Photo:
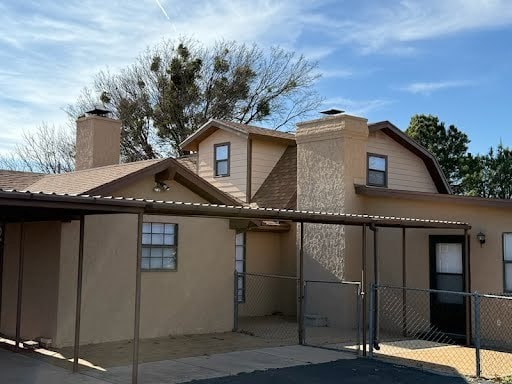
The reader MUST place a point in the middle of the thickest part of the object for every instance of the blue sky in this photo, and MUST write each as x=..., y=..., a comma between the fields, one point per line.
x=384, y=60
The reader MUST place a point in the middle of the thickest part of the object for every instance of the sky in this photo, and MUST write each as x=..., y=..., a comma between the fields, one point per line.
x=383, y=60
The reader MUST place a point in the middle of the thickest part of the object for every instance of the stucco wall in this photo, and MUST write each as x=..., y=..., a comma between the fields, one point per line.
x=406, y=171
x=40, y=287
x=236, y=182
x=197, y=298
x=265, y=155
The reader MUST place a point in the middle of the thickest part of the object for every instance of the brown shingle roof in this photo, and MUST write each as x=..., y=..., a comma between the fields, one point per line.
x=80, y=182
x=17, y=180
x=279, y=190
x=189, y=161
x=191, y=142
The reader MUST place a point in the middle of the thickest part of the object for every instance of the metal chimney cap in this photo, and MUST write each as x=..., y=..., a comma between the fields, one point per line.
x=97, y=111
x=332, y=111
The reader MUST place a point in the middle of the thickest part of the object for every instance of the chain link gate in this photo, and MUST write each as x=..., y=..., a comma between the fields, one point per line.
x=414, y=326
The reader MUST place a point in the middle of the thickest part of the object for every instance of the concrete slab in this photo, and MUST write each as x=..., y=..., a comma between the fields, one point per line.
x=16, y=368
x=236, y=362
x=307, y=355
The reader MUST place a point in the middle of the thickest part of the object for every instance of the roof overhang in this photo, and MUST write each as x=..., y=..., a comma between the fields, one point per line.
x=18, y=206
x=191, y=143
x=365, y=190
x=430, y=161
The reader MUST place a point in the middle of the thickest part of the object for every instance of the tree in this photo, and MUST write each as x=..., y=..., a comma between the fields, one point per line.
x=489, y=175
x=448, y=145
x=47, y=149
x=174, y=88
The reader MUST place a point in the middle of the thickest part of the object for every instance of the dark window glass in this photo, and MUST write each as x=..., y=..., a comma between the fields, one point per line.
x=377, y=170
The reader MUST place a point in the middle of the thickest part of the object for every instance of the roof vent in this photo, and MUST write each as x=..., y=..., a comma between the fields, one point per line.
x=97, y=111
x=332, y=111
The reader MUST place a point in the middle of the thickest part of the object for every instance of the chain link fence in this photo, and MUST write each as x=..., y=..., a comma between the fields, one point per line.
x=332, y=314
x=266, y=307
x=466, y=333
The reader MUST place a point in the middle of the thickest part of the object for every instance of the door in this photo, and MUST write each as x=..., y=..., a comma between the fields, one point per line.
x=447, y=272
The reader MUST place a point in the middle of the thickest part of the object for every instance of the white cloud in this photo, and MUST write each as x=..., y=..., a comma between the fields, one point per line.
x=426, y=88
x=391, y=27
x=50, y=51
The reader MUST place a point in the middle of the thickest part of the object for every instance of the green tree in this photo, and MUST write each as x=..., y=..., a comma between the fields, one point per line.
x=448, y=145
x=489, y=175
x=174, y=88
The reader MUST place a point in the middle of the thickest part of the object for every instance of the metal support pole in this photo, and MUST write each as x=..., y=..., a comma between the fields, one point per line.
x=136, y=326
x=376, y=280
x=305, y=304
x=363, y=287
x=235, y=302
x=477, y=333
x=468, y=289
x=372, y=320
x=301, y=285
x=404, y=284
x=358, y=320
x=20, y=284
x=79, y=277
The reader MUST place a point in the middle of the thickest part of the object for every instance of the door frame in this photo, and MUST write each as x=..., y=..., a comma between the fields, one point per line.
x=461, y=239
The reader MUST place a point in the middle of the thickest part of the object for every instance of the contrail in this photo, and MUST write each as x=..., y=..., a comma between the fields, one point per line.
x=163, y=10
x=165, y=14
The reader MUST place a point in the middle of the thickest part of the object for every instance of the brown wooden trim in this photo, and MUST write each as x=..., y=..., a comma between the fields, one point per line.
x=428, y=196
x=273, y=139
x=248, y=188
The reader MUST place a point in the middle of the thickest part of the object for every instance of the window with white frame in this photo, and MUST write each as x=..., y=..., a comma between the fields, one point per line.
x=221, y=160
x=159, y=246
x=507, y=262
x=377, y=173
x=240, y=264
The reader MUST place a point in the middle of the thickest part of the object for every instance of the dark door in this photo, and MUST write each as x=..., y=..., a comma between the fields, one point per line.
x=447, y=272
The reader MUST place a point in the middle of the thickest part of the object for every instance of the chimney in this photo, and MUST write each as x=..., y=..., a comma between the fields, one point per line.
x=331, y=157
x=98, y=140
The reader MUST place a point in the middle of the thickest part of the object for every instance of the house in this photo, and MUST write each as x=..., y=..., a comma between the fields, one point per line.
x=338, y=163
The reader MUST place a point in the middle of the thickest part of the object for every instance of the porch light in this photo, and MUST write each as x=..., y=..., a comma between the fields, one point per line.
x=481, y=238
x=160, y=186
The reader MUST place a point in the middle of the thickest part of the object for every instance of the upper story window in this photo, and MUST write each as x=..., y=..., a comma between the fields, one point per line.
x=159, y=246
x=377, y=173
x=221, y=159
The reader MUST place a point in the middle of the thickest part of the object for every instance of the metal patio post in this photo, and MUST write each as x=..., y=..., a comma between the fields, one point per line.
x=235, y=302
x=136, y=326
x=404, y=284
x=372, y=320
x=301, y=285
x=21, y=261
x=76, y=349
x=363, y=287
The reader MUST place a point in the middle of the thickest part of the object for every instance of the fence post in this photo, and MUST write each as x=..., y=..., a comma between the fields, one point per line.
x=235, y=302
x=477, y=333
x=372, y=321
x=358, y=320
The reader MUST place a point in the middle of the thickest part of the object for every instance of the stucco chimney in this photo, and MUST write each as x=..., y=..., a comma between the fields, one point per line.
x=98, y=140
x=331, y=157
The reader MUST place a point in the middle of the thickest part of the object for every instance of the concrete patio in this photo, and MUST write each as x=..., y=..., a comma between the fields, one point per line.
x=23, y=369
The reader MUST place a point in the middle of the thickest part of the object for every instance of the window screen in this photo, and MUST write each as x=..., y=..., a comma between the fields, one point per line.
x=507, y=262
x=221, y=159
x=240, y=265
x=377, y=170
x=159, y=246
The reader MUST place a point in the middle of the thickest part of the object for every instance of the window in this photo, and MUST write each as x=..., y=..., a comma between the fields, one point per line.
x=240, y=264
x=159, y=246
x=507, y=262
x=377, y=170
x=221, y=159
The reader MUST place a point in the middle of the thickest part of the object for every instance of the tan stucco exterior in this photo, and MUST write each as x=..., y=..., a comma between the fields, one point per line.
x=97, y=142
x=40, y=288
